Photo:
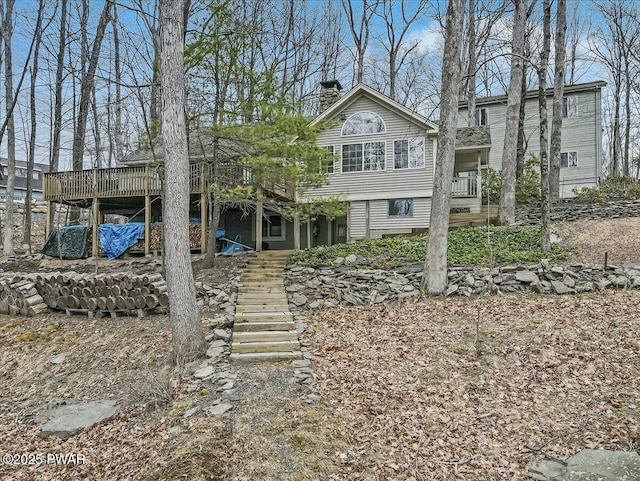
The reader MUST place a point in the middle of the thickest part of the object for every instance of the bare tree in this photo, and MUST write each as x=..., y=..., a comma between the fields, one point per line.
x=188, y=338
x=360, y=31
x=472, y=64
x=7, y=31
x=57, y=122
x=436, y=259
x=544, y=147
x=507, y=208
x=558, y=94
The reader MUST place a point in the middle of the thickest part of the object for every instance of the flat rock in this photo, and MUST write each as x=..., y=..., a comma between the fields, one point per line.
x=204, y=372
x=589, y=465
x=64, y=421
x=561, y=288
x=221, y=334
x=215, y=351
x=298, y=299
x=58, y=359
x=219, y=409
x=527, y=277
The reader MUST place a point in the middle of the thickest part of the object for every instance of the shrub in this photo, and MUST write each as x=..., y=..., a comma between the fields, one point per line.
x=590, y=195
x=528, y=184
x=620, y=187
x=491, y=185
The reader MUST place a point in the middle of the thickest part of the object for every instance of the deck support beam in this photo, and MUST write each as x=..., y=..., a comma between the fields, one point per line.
x=204, y=211
x=296, y=233
x=259, y=213
x=147, y=225
x=48, y=227
x=95, y=237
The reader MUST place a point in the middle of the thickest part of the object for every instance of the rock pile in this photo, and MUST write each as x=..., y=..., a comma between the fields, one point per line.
x=359, y=284
x=569, y=211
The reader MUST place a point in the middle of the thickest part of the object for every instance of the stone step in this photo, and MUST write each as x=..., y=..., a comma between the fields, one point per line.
x=261, y=346
x=261, y=308
x=264, y=326
x=265, y=356
x=265, y=336
x=263, y=316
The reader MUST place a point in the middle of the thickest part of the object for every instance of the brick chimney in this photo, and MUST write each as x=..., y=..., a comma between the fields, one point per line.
x=329, y=94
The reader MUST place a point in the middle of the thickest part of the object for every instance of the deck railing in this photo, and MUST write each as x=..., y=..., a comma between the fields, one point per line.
x=147, y=180
x=464, y=187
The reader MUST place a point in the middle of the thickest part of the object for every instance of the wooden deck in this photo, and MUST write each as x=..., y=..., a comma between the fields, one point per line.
x=147, y=180
x=475, y=219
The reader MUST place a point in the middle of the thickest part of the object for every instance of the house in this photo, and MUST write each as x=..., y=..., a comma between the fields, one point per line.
x=581, y=150
x=20, y=187
x=384, y=165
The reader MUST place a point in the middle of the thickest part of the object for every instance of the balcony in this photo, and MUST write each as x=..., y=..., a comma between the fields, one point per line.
x=464, y=187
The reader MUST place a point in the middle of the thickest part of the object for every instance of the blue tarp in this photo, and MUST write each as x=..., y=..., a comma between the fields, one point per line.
x=117, y=238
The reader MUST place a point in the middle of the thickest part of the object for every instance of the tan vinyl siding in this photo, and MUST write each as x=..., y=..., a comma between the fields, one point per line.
x=580, y=134
x=383, y=184
x=358, y=217
x=380, y=220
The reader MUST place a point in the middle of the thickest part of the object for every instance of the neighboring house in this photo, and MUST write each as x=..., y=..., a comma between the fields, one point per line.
x=20, y=188
x=581, y=151
x=384, y=164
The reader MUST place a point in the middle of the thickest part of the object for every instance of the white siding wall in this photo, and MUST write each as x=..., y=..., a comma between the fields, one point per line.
x=387, y=184
x=580, y=134
x=358, y=218
x=380, y=222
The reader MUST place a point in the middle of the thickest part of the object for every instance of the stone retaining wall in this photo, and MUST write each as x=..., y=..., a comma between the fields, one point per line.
x=568, y=211
x=358, y=284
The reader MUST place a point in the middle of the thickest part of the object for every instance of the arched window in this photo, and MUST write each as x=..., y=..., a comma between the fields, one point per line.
x=363, y=123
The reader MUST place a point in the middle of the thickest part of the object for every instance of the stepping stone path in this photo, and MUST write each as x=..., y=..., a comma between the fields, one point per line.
x=264, y=329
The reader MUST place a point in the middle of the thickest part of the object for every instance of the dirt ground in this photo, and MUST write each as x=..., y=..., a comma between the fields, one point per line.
x=468, y=389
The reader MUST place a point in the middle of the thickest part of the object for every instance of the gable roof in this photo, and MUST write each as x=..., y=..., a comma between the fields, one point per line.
x=362, y=90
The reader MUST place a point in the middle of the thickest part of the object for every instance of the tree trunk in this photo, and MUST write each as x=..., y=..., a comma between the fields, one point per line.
x=188, y=338
x=436, y=259
x=214, y=215
x=507, y=209
x=521, y=148
x=26, y=239
x=57, y=121
x=558, y=94
x=542, y=104
x=7, y=29
x=86, y=87
x=473, y=63
x=119, y=153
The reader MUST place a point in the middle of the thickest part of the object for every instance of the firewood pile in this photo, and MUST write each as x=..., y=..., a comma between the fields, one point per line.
x=155, y=243
x=31, y=294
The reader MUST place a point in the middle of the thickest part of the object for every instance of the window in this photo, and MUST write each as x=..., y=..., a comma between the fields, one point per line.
x=569, y=107
x=363, y=157
x=401, y=207
x=408, y=154
x=569, y=159
x=327, y=163
x=273, y=228
x=482, y=118
x=363, y=123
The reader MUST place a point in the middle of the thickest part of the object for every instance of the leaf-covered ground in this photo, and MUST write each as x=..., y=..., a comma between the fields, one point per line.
x=422, y=399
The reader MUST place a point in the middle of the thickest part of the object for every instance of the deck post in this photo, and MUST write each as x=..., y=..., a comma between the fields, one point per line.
x=49, y=222
x=329, y=231
x=259, y=212
x=309, y=234
x=204, y=209
x=147, y=224
x=95, y=238
x=296, y=233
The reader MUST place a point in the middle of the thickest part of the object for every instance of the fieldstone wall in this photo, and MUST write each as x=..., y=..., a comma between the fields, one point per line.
x=357, y=284
x=568, y=211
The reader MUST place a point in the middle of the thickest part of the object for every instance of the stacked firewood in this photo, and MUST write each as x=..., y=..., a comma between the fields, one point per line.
x=155, y=243
x=20, y=296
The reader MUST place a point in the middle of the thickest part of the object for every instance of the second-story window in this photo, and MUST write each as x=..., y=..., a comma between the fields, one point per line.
x=408, y=154
x=363, y=123
x=365, y=156
x=482, y=117
x=569, y=106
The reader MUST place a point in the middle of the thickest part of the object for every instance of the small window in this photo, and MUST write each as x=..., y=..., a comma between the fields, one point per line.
x=408, y=154
x=363, y=157
x=482, y=118
x=36, y=175
x=327, y=163
x=569, y=106
x=363, y=123
x=401, y=207
x=569, y=159
x=273, y=227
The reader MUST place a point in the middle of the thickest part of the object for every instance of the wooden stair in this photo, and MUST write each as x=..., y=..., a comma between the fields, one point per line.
x=264, y=329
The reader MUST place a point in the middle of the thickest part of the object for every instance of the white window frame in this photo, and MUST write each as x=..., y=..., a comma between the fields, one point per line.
x=481, y=116
x=346, y=122
x=363, y=150
x=283, y=229
x=567, y=156
x=395, y=216
x=569, y=106
x=329, y=168
x=409, y=154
